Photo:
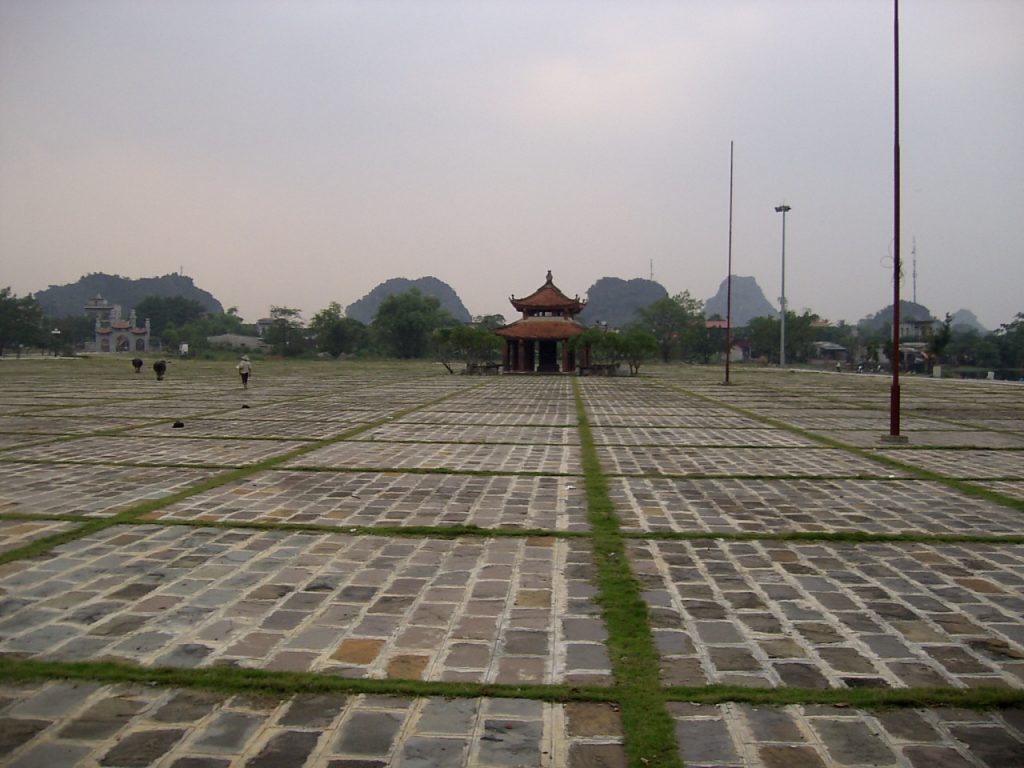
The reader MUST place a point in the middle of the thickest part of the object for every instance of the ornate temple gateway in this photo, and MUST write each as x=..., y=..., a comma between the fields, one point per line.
x=539, y=341
x=114, y=333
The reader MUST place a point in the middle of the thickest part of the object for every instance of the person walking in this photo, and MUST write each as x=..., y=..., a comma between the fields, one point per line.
x=244, y=369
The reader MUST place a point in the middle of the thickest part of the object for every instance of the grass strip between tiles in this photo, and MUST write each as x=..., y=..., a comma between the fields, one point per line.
x=648, y=727
x=230, y=680
x=855, y=698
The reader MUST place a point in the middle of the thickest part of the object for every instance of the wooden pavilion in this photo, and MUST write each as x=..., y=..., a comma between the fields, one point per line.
x=539, y=341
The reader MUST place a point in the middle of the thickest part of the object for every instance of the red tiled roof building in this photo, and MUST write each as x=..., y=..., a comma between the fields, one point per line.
x=539, y=341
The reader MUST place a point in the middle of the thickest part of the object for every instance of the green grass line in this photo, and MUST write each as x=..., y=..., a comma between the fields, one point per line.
x=400, y=441
x=751, y=476
x=706, y=446
x=233, y=680
x=648, y=728
x=912, y=447
x=238, y=680
x=176, y=434
x=461, y=529
x=43, y=545
x=853, y=537
x=119, y=464
x=430, y=471
x=433, y=531
x=858, y=698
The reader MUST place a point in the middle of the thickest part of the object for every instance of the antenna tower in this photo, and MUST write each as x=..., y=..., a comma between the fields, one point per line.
x=652, y=270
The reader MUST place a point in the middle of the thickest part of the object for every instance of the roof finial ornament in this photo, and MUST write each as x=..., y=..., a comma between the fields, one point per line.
x=549, y=276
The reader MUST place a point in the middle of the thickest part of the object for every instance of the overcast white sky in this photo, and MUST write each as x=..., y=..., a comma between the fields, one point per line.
x=297, y=153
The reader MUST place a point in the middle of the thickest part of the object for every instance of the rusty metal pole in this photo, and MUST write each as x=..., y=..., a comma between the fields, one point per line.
x=894, y=390
x=728, y=281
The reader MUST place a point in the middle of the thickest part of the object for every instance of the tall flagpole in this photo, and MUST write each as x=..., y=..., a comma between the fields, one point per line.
x=728, y=281
x=894, y=391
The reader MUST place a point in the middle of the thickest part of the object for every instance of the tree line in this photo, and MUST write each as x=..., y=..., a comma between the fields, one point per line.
x=413, y=325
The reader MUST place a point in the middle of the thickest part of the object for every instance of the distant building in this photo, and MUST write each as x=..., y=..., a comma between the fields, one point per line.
x=237, y=341
x=827, y=350
x=112, y=332
x=917, y=329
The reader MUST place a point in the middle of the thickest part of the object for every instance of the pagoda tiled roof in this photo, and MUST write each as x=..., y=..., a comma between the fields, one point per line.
x=547, y=298
x=541, y=329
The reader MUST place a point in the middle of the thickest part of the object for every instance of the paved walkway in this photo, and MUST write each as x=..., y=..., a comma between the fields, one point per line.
x=304, y=527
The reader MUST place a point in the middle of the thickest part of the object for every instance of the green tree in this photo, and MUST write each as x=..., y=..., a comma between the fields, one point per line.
x=285, y=332
x=197, y=332
x=406, y=321
x=968, y=347
x=334, y=333
x=490, y=322
x=164, y=311
x=21, y=322
x=675, y=323
x=706, y=343
x=693, y=336
x=938, y=341
x=763, y=333
x=72, y=331
x=473, y=344
x=1010, y=338
x=800, y=331
x=637, y=345
x=605, y=347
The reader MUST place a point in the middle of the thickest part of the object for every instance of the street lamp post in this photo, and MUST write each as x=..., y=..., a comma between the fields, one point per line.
x=783, y=209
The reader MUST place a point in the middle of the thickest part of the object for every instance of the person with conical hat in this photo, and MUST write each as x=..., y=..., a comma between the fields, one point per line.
x=244, y=369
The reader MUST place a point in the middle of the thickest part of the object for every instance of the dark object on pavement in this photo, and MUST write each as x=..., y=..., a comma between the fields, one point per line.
x=178, y=425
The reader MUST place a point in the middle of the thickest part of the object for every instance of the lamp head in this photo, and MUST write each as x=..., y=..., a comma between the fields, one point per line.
x=781, y=208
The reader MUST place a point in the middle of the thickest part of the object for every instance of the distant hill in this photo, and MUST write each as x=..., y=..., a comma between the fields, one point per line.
x=908, y=311
x=64, y=300
x=965, y=320
x=615, y=301
x=365, y=308
x=748, y=301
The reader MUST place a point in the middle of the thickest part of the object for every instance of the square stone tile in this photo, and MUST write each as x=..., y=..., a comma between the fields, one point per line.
x=280, y=587
x=941, y=614
x=391, y=499
x=547, y=459
x=88, y=490
x=779, y=506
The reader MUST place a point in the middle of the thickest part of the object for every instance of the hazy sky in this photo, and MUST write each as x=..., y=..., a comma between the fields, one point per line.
x=297, y=153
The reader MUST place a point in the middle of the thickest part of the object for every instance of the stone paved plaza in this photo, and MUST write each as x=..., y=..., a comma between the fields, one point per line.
x=356, y=529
